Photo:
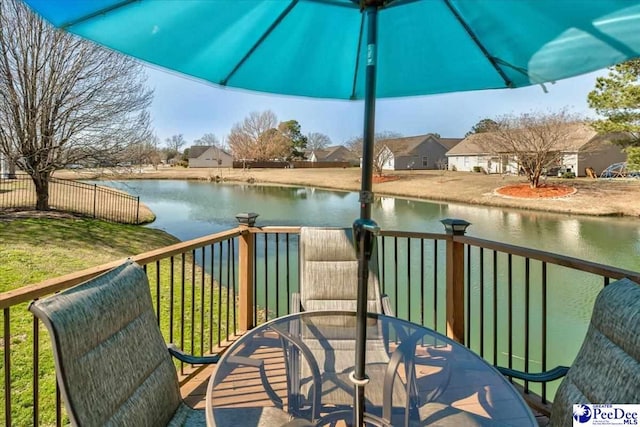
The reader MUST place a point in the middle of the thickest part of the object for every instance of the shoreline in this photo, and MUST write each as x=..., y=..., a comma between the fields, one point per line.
x=593, y=197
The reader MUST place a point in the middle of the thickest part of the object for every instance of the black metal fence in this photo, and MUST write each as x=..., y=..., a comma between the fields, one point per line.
x=513, y=310
x=19, y=193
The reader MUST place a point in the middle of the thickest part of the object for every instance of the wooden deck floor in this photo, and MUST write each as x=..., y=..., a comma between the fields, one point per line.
x=243, y=387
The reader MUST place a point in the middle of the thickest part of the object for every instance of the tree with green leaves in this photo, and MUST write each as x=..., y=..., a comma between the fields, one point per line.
x=290, y=130
x=633, y=159
x=616, y=97
x=484, y=125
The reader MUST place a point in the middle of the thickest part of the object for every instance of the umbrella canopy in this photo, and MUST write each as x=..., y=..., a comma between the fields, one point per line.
x=317, y=48
x=361, y=49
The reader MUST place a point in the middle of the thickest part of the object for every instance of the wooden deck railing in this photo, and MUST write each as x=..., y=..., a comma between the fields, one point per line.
x=492, y=297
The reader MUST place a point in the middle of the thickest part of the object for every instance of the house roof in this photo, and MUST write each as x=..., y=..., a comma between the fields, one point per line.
x=196, y=151
x=405, y=146
x=449, y=143
x=580, y=134
x=334, y=153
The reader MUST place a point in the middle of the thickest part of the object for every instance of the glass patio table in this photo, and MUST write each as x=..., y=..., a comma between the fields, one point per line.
x=295, y=371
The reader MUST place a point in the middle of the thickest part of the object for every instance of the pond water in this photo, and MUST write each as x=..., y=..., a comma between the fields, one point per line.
x=189, y=209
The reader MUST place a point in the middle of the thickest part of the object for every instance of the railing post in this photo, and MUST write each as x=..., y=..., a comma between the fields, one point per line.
x=455, y=279
x=246, y=250
x=95, y=197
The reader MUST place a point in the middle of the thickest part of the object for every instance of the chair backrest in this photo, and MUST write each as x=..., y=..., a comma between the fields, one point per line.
x=329, y=271
x=607, y=367
x=112, y=363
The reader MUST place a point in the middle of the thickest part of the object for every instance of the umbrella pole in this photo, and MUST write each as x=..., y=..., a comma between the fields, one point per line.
x=364, y=228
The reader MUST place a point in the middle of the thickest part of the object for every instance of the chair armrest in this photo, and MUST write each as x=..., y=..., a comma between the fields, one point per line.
x=386, y=306
x=296, y=306
x=187, y=358
x=538, y=377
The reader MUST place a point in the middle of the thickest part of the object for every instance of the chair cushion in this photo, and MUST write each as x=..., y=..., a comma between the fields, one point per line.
x=188, y=417
x=329, y=271
x=607, y=367
x=111, y=359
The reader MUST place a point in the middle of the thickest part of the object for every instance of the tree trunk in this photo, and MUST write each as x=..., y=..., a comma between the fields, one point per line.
x=41, y=182
x=534, y=180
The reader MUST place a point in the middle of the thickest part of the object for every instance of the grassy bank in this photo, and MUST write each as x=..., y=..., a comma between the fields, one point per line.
x=36, y=249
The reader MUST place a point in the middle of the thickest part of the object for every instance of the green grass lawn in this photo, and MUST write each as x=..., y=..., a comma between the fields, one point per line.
x=32, y=250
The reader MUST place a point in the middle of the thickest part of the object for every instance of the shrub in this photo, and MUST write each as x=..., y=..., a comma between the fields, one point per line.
x=568, y=175
x=633, y=158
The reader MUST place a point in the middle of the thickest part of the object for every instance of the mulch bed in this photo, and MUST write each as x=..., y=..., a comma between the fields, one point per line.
x=542, y=192
x=384, y=178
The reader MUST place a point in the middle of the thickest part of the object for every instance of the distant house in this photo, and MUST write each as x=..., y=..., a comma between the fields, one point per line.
x=7, y=170
x=584, y=149
x=337, y=153
x=416, y=152
x=209, y=156
x=4, y=167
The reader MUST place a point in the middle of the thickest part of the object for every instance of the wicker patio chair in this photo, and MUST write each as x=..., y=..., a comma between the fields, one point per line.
x=111, y=361
x=329, y=273
x=329, y=281
x=607, y=367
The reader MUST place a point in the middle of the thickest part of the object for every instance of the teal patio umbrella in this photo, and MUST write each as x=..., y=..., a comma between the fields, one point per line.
x=361, y=49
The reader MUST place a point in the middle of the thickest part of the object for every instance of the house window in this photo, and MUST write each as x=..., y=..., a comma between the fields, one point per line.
x=425, y=161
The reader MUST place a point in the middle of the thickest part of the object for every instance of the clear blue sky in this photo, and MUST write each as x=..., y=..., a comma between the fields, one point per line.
x=193, y=108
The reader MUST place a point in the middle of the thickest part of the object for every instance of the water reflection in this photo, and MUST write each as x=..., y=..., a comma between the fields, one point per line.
x=189, y=209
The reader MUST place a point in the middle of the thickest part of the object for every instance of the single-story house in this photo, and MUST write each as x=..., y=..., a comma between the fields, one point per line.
x=585, y=148
x=416, y=152
x=336, y=153
x=4, y=166
x=7, y=170
x=209, y=156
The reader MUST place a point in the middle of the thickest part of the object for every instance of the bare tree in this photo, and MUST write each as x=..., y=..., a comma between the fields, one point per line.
x=145, y=152
x=317, y=141
x=534, y=141
x=257, y=137
x=64, y=100
x=381, y=153
x=208, y=139
x=175, y=142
